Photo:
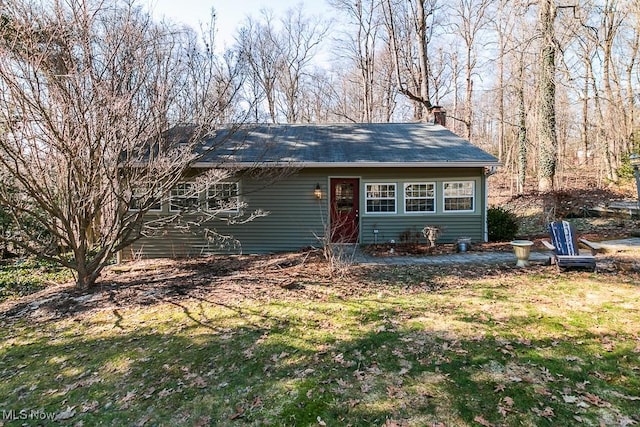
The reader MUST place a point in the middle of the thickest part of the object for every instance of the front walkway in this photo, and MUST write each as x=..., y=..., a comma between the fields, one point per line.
x=460, y=258
x=536, y=257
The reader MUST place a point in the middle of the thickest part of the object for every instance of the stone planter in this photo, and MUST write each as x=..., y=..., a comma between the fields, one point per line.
x=522, y=249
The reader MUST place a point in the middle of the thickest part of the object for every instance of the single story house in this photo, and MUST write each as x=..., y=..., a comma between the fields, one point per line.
x=362, y=183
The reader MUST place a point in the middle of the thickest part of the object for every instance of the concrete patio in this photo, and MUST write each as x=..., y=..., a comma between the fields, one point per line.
x=536, y=257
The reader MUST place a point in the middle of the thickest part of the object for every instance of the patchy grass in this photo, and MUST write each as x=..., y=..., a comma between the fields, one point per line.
x=23, y=277
x=388, y=346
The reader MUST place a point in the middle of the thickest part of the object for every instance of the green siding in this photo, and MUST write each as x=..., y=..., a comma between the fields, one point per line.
x=296, y=217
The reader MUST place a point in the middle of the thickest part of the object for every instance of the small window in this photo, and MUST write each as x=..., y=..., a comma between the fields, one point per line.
x=420, y=197
x=380, y=198
x=458, y=196
x=223, y=196
x=183, y=196
x=142, y=195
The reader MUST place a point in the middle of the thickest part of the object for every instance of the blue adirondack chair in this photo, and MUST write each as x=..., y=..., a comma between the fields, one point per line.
x=564, y=245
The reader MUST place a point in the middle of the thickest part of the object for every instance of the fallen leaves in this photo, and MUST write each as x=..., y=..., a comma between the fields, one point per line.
x=199, y=382
x=499, y=388
x=595, y=400
x=165, y=392
x=126, y=400
x=480, y=420
x=505, y=406
x=239, y=412
x=277, y=357
x=546, y=412
x=202, y=421
x=406, y=356
x=395, y=392
x=67, y=414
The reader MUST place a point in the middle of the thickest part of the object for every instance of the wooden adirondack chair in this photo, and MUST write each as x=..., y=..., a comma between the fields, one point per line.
x=564, y=245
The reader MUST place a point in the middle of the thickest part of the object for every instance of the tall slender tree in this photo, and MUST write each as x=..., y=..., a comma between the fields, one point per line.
x=362, y=46
x=258, y=46
x=471, y=19
x=547, y=137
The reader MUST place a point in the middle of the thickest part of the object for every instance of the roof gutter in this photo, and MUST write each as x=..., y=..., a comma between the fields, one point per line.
x=445, y=164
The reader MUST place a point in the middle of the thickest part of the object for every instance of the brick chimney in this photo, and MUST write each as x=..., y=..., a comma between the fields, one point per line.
x=439, y=115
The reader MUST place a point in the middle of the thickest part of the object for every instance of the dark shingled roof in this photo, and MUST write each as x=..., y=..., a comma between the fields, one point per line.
x=330, y=145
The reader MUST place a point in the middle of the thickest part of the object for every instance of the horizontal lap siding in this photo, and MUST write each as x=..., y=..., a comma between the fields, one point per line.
x=296, y=217
x=391, y=228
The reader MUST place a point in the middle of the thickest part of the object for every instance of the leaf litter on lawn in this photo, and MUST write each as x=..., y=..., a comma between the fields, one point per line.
x=413, y=345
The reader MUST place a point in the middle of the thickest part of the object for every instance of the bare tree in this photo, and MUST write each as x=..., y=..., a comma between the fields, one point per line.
x=515, y=71
x=586, y=42
x=279, y=57
x=258, y=44
x=88, y=91
x=604, y=42
x=502, y=27
x=471, y=18
x=631, y=72
x=298, y=41
x=362, y=47
x=610, y=25
x=409, y=34
x=521, y=125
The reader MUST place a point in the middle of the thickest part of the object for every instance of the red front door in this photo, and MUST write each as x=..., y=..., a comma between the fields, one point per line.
x=345, y=210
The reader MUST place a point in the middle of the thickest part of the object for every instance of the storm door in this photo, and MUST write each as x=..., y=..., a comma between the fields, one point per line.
x=345, y=210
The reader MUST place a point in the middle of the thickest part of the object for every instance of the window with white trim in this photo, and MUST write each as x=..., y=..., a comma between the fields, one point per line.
x=142, y=196
x=419, y=197
x=458, y=196
x=380, y=198
x=223, y=196
x=183, y=196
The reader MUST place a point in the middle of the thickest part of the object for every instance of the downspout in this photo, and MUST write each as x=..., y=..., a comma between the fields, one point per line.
x=485, y=177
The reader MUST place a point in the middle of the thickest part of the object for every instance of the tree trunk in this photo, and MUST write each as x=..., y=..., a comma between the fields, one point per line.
x=424, y=63
x=613, y=99
x=456, y=96
x=585, y=116
x=522, y=130
x=418, y=90
x=501, y=105
x=501, y=91
x=547, y=138
x=601, y=138
x=630, y=107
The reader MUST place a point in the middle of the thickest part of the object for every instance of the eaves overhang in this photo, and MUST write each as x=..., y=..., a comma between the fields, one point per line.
x=297, y=164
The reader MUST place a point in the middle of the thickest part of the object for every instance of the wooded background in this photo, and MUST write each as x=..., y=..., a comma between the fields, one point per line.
x=549, y=87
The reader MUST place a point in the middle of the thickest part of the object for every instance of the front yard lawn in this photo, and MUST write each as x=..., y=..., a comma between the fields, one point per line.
x=275, y=341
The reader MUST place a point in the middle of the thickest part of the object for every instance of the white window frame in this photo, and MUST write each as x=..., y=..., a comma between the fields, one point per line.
x=393, y=185
x=142, y=189
x=236, y=197
x=173, y=195
x=459, y=193
x=407, y=198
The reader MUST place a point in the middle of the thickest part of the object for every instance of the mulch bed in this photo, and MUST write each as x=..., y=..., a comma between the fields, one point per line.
x=423, y=249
